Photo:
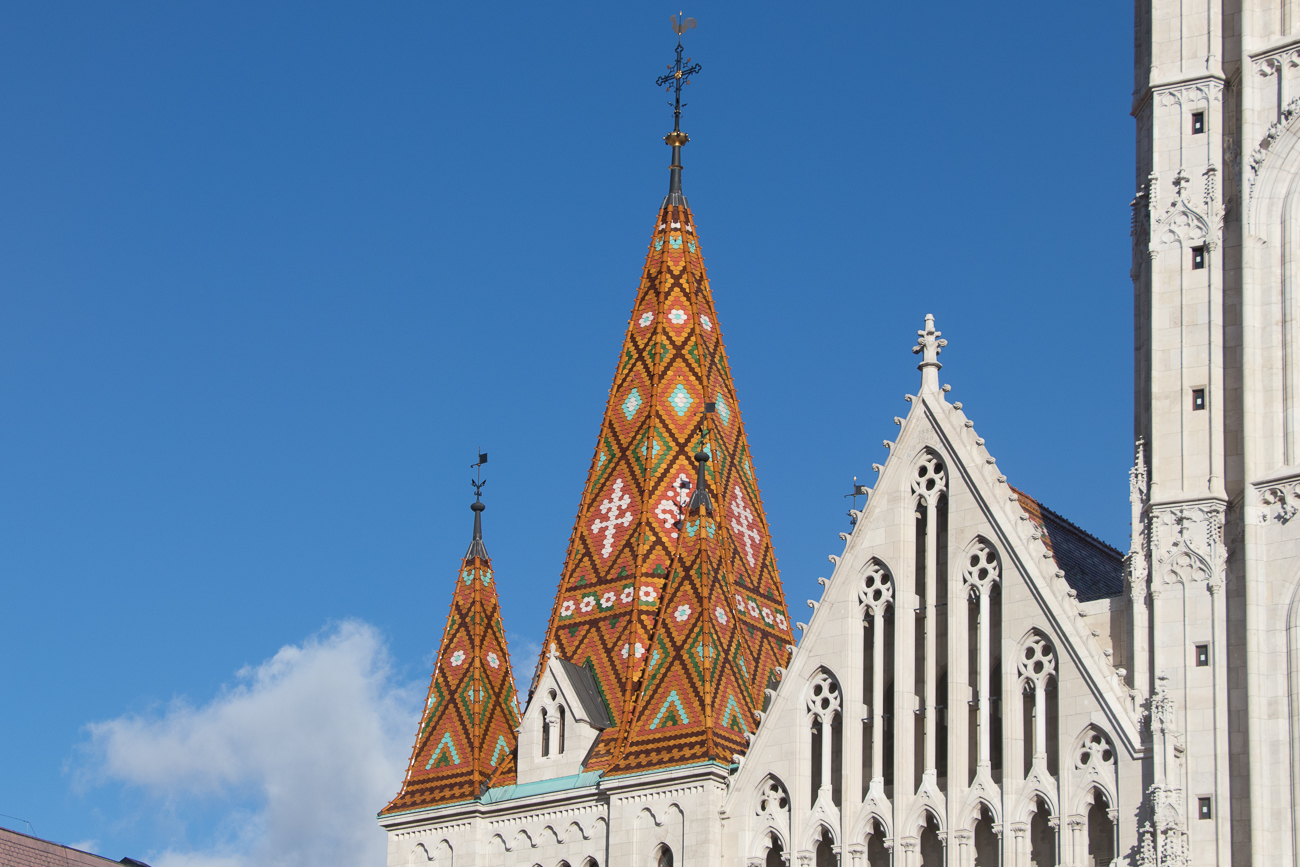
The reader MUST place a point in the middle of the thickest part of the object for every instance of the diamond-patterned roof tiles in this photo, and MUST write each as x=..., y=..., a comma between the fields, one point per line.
x=467, y=732
x=681, y=616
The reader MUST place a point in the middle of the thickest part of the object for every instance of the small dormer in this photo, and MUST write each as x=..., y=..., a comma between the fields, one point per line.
x=564, y=718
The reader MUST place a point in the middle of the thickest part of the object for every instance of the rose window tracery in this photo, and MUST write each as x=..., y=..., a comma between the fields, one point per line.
x=982, y=569
x=929, y=479
x=876, y=590
x=1095, y=752
x=772, y=799
x=824, y=697
x=1037, y=661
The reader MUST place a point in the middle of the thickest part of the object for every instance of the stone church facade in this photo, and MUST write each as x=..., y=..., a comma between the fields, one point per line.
x=981, y=682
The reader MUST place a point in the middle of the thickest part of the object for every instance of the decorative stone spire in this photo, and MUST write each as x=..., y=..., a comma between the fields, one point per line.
x=670, y=589
x=467, y=733
x=929, y=343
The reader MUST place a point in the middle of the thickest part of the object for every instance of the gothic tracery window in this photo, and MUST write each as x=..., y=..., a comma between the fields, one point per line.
x=876, y=596
x=982, y=578
x=1037, y=667
x=929, y=487
x=823, y=704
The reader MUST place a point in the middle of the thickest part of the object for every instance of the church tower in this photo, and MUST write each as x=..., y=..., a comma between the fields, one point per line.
x=1213, y=560
x=670, y=594
x=466, y=740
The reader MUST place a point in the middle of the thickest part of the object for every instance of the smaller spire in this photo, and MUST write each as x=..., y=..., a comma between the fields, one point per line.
x=700, y=496
x=678, y=76
x=476, y=546
x=929, y=343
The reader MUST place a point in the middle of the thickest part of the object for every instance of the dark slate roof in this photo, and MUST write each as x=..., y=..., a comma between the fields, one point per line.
x=20, y=850
x=1094, y=569
x=593, y=706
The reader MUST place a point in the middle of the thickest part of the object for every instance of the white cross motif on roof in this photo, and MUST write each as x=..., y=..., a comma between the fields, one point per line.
x=742, y=520
x=669, y=509
x=613, y=509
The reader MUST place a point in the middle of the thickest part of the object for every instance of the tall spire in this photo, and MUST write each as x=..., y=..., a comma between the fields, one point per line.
x=679, y=75
x=670, y=590
x=467, y=733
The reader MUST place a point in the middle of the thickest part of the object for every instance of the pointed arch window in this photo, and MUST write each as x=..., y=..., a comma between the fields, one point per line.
x=876, y=597
x=982, y=577
x=930, y=496
x=825, y=724
x=1037, y=666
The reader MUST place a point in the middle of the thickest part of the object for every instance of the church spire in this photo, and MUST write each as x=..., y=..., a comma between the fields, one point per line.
x=670, y=592
x=678, y=76
x=467, y=732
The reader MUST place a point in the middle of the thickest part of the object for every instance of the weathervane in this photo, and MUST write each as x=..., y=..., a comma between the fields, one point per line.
x=478, y=481
x=858, y=491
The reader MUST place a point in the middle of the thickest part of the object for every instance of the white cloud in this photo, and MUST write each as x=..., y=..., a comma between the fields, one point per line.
x=318, y=734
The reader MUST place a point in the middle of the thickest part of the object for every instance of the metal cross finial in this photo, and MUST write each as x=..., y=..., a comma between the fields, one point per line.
x=929, y=343
x=679, y=73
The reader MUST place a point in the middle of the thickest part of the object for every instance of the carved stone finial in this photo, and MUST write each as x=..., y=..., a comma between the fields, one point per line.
x=1180, y=182
x=929, y=343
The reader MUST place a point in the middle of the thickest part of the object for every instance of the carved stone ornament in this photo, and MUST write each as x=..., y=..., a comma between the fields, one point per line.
x=1260, y=154
x=1180, y=223
x=1189, y=543
x=1139, y=548
x=1279, y=502
x=1200, y=93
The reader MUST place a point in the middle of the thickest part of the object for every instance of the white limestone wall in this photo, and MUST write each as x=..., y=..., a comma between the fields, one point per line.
x=1092, y=699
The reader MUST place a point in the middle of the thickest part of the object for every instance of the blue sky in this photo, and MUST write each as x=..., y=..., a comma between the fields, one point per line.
x=270, y=274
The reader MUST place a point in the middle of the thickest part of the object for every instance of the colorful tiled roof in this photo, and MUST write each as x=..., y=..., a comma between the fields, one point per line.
x=1092, y=568
x=681, y=617
x=467, y=736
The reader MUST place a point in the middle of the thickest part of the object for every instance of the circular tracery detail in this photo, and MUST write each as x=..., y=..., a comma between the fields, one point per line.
x=772, y=799
x=929, y=479
x=877, y=589
x=824, y=697
x=1037, y=661
x=1095, y=752
x=982, y=569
